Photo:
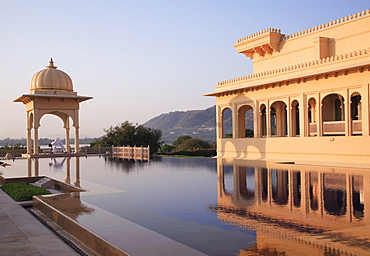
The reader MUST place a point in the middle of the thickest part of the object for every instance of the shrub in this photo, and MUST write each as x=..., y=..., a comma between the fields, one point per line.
x=21, y=191
x=200, y=152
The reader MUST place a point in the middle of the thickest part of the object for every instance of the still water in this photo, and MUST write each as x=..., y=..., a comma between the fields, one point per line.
x=223, y=207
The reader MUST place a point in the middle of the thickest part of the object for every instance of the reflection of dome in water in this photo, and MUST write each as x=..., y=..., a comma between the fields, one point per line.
x=51, y=78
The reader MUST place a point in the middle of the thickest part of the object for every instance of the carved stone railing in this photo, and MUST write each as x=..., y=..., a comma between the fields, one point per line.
x=335, y=128
x=267, y=30
x=327, y=25
x=136, y=153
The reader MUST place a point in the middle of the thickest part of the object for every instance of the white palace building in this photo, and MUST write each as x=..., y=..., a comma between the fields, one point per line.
x=308, y=96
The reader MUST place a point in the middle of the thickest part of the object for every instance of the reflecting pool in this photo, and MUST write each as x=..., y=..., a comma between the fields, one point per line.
x=216, y=206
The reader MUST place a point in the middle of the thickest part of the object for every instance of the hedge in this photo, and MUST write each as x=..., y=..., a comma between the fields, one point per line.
x=21, y=191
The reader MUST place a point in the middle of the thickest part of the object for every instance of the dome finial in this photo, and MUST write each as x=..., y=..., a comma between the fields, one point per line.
x=51, y=64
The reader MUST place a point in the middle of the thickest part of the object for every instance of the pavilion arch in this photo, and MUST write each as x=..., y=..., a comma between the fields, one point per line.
x=356, y=113
x=227, y=126
x=278, y=117
x=312, y=116
x=295, y=118
x=333, y=107
x=243, y=111
x=333, y=115
x=263, y=120
x=356, y=106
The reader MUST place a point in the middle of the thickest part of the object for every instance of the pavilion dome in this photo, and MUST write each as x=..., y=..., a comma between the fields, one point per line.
x=51, y=78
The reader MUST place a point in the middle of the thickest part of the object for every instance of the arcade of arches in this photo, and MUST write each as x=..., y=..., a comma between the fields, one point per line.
x=331, y=119
x=307, y=101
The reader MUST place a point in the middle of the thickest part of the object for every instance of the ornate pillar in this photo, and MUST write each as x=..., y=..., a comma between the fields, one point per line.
x=320, y=124
x=77, y=131
x=303, y=116
x=349, y=198
x=36, y=140
x=66, y=127
x=320, y=200
x=77, y=168
x=256, y=120
x=268, y=119
x=365, y=115
x=68, y=171
x=234, y=119
x=77, y=139
x=290, y=119
x=29, y=144
x=347, y=114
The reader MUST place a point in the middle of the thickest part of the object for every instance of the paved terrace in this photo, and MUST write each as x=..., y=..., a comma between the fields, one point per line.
x=23, y=234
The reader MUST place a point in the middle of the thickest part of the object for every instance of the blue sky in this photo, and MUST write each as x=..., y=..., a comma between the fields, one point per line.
x=138, y=59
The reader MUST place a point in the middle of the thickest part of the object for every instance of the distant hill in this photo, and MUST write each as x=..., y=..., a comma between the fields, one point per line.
x=195, y=123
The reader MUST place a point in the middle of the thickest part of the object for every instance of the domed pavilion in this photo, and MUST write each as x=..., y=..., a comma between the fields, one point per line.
x=51, y=92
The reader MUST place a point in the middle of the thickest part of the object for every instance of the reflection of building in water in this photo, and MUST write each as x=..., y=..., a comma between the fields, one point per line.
x=309, y=88
x=33, y=168
x=298, y=209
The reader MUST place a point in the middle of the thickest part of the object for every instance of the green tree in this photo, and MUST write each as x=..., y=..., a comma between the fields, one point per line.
x=193, y=144
x=180, y=140
x=167, y=148
x=129, y=134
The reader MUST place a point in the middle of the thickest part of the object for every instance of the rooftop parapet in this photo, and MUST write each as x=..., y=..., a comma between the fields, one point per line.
x=262, y=43
x=301, y=66
x=328, y=24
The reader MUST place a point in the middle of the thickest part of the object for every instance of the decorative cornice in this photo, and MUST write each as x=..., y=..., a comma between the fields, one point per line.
x=265, y=31
x=300, y=66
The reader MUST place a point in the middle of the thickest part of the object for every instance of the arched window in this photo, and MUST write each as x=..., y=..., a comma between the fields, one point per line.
x=356, y=107
x=333, y=115
x=227, y=129
x=279, y=119
x=312, y=125
x=263, y=120
x=295, y=118
x=245, y=122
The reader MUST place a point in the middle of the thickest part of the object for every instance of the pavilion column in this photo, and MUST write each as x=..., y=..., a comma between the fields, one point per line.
x=303, y=116
x=68, y=171
x=256, y=120
x=366, y=184
x=67, y=141
x=347, y=114
x=220, y=178
x=349, y=198
x=268, y=119
x=235, y=121
x=289, y=119
x=219, y=123
x=305, y=192
x=365, y=115
x=77, y=131
x=29, y=144
x=36, y=140
x=320, y=124
x=77, y=139
x=258, y=185
x=77, y=168
x=66, y=127
x=236, y=188
x=320, y=184
x=269, y=186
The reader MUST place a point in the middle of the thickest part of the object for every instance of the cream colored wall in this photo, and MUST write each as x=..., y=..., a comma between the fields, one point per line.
x=341, y=38
x=295, y=72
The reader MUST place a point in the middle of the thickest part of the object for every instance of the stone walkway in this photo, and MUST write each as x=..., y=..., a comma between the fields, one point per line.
x=22, y=234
